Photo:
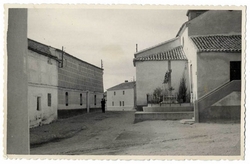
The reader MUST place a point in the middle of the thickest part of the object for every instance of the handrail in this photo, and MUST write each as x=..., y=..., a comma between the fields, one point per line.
x=216, y=89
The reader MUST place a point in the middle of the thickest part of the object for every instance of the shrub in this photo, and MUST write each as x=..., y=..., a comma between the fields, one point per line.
x=182, y=92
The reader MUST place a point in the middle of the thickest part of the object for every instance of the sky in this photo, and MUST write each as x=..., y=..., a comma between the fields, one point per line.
x=110, y=35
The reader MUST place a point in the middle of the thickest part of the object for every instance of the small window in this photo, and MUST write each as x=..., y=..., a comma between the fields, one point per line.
x=114, y=93
x=95, y=99
x=38, y=103
x=123, y=103
x=80, y=99
x=66, y=99
x=112, y=103
x=120, y=103
x=123, y=92
x=49, y=99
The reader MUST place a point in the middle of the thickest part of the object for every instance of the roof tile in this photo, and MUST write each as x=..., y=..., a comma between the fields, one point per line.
x=217, y=43
x=174, y=54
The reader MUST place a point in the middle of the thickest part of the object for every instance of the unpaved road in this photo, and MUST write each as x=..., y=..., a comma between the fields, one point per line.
x=114, y=133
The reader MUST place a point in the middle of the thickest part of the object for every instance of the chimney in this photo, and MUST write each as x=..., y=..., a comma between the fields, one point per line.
x=126, y=81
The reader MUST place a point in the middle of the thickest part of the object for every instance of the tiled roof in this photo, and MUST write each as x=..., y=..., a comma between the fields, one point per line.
x=33, y=45
x=173, y=54
x=217, y=43
x=126, y=85
x=160, y=44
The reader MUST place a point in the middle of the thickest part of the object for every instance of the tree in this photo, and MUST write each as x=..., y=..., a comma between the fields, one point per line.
x=182, y=93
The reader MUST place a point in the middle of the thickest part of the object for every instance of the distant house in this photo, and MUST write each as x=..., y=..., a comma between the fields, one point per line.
x=121, y=97
x=60, y=85
x=151, y=67
x=42, y=84
x=211, y=41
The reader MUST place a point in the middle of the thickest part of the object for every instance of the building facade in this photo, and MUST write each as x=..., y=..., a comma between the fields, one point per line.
x=42, y=84
x=80, y=85
x=121, y=97
x=212, y=43
x=151, y=67
x=60, y=85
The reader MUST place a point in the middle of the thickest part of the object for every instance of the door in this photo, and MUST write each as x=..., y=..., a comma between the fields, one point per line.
x=235, y=70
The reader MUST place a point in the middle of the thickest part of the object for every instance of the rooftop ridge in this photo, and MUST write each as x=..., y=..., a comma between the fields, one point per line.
x=157, y=45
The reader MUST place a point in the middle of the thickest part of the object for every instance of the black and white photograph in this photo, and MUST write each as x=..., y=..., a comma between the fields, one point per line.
x=134, y=81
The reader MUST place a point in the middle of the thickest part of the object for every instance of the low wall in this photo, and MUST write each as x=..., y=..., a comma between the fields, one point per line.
x=220, y=104
x=143, y=116
x=168, y=109
x=230, y=113
x=123, y=108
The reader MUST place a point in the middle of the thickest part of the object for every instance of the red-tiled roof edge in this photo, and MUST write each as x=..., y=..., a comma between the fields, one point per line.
x=155, y=46
x=230, y=34
x=173, y=49
x=199, y=49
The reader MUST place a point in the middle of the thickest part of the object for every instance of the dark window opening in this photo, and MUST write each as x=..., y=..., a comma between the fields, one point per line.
x=38, y=103
x=120, y=103
x=66, y=99
x=235, y=70
x=80, y=99
x=114, y=93
x=95, y=99
x=49, y=99
x=123, y=103
x=112, y=103
x=123, y=92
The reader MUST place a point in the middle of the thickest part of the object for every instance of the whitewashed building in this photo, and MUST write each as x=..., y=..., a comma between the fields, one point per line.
x=42, y=84
x=153, y=63
x=121, y=97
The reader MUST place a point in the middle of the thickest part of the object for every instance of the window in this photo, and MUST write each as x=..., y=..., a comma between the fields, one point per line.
x=123, y=92
x=120, y=103
x=235, y=70
x=112, y=103
x=80, y=99
x=95, y=99
x=123, y=103
x=38, y=103
x=49, y=99
x=114, y=93
x=66, y=99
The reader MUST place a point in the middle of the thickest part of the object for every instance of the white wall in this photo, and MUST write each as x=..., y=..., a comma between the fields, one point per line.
x=47, y=114
x=191, y=53
x=74, y=99
x=128, y=99
x=150, y=75
x=42, y=79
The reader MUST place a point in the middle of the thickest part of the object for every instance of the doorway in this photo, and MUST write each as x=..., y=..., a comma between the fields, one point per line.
x=235, y=70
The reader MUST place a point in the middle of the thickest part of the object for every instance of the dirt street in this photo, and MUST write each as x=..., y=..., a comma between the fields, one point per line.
x=114, y=133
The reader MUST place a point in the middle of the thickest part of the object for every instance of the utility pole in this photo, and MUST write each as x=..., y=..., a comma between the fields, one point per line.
x=62, y=57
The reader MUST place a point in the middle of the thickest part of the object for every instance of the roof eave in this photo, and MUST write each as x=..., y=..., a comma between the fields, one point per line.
x=168, y=41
